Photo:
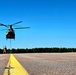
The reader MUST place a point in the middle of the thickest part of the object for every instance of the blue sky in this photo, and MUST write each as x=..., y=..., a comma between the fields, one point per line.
x=52, y=23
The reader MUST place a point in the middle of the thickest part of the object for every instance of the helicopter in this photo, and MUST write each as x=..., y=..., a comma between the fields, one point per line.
x=10, y=34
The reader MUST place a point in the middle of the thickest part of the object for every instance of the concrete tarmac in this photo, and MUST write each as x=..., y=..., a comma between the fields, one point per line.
x=3, y=62
x=48, y=63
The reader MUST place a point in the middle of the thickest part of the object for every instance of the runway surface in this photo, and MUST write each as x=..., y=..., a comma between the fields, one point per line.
x=3, y=62
x=44, y=63
x=14, y=67
x=48, y=63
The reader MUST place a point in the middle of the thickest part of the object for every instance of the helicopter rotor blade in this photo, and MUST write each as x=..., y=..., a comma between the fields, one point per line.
x=22, y=28
x=16, y=23
x=3, y=25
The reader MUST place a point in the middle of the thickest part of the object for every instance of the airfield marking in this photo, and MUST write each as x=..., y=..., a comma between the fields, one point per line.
x=14, y=67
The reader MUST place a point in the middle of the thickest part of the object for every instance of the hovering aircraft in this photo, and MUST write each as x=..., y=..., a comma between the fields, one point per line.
x=10, y=34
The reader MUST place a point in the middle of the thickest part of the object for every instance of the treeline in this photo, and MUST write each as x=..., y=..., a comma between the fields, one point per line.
x=39, y=50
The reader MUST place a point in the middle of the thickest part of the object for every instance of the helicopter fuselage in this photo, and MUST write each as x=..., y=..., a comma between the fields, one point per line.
x=10, y=34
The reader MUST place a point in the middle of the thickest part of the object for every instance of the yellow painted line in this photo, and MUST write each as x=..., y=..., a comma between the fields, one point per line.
x=16, y=67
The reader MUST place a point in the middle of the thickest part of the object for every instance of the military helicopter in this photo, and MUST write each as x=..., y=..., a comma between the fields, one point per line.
x=10, y=34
